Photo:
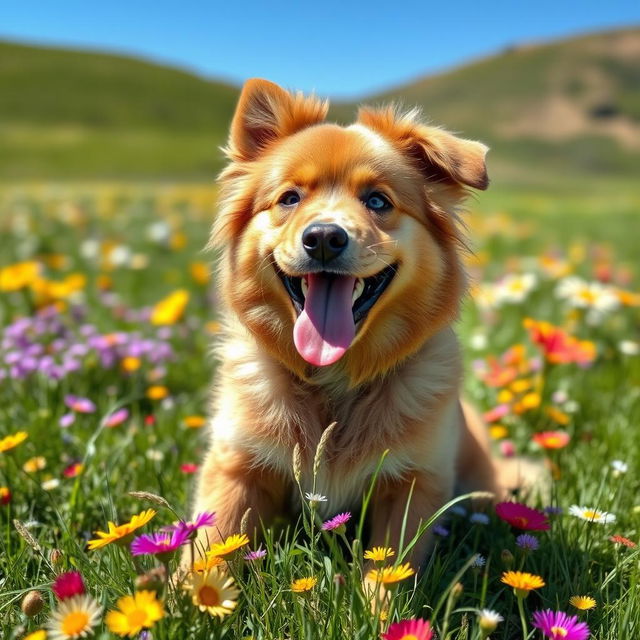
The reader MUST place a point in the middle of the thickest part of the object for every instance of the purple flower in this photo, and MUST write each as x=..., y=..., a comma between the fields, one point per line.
x=527, y=542
x=258, y=554
x=116, y=418
x=553, y=510
x=336, y=522
x=201, y=520
x=557, y=625
x=439, y=530
x=81, y=405
x=479, y=518
x=162, y=544
x=67, y=420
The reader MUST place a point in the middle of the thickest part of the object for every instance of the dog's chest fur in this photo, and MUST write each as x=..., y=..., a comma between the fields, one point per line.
x=261, y=409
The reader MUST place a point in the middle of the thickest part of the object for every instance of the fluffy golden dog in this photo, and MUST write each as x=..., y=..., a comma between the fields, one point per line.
x=341, y=277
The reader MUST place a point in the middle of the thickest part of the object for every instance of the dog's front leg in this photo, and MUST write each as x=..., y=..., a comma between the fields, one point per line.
x=228, y=485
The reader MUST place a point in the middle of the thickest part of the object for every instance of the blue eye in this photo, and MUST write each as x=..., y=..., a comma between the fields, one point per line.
x=377, y=202
x=289, y=198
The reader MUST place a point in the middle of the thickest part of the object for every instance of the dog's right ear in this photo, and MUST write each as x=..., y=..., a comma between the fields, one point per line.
x=266, y=113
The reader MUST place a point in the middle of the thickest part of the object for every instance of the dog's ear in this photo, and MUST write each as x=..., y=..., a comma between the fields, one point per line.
x=266, y=113
x=439, y=154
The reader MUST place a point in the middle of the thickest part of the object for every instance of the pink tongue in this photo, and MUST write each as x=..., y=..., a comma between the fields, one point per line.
x=325, y=328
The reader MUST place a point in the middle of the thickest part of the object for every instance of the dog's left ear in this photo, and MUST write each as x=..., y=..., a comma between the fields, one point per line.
x=266, y=113
x=439, y=154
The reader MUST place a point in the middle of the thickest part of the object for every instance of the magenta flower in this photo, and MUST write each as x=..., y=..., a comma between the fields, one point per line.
x=336, y=522
x=68, y=584
x=80, y=405
x=557, y=625
x=522, y=517
x=163, y=544
x=116, y=418
x=258, y=554
x=201, y=520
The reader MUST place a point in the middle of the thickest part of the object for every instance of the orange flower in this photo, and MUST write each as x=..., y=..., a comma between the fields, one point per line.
x=522, y=582
x=552, y=439
x=559, y=347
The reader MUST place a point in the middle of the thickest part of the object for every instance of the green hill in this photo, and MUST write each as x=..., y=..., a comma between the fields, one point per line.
x=569, y=108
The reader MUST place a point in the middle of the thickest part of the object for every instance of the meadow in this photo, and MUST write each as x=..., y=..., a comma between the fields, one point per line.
x=107, y=314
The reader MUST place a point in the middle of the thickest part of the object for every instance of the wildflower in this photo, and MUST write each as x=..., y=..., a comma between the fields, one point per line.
x=557, y=625
x=204, y=564
x=551, y=439
x=231, y=544
x=194, y=422
x=629, y=347
x=515, y=288
x=416, y=629
x=507, y=448
x=558, y=346
x=74, y=618
x=80, y=405
x=558, y=416
x=5, y=495
x=188, y=467
x=37, y=463
x=507, y=558
x=155, y=454
x=587, y=295
x=498, y=431
x=439, y=530
x=157, y=392
x=212, y=591
x=134, y=613
x=619, y=467
x=19, y=275
x=32, y=604
x=171, y=309
x=496, y=413
x=390, y=575
x=592, y=515
x=123, y=533
x=553, y=510
x=163, y=545
x=67, y=420
x=12, y=441
x=478, y=561
x=379, y=554
x=622, y=540
x=73, y=470
x=304, y=584
x=522, y=517
x=204, y=519
x=200, y=272
x=522, y=582
x=130, y=364
x=116, y=418
x=258, y=554
x=49, y=485
x=479, y=518
x=315, y=498
x=40, y=634
x=488, y=620
x=337, y=523
x=527, y=542
x=68, y=585
x=584, y=603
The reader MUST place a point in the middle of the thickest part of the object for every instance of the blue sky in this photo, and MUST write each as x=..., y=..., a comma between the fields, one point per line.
x=337, y=48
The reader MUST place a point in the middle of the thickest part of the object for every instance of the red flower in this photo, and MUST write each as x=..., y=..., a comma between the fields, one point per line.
x=552, y=439
x=73, y=470
x=522, y=517
x=622, y=540
x=188, y=467
x=559, y=347
x=149, y=420
x=68, y=584
x=5, y=495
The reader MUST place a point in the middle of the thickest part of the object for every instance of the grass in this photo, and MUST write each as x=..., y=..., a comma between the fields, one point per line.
x=137, y=243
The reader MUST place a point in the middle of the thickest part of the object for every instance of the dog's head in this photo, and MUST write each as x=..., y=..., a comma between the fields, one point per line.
x=340, y=244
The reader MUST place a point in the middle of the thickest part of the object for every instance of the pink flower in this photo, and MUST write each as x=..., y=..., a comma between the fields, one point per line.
x=162, y=544
x=116, y=418
x=81, y=405
x=496, y=413
x=68, y=584
x=188, y=467
x=258, y=554
x=507, y=448
x=67, y=420
x=336, y=522
x=201, y=520
x=557, y=625
x=522, y=517
x=418, y=629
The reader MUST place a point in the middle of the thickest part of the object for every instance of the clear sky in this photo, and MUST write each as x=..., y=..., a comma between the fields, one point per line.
x=338, y=48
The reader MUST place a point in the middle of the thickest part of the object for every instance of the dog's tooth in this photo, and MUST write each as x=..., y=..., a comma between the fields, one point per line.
x=358, y=289
x=304, y=286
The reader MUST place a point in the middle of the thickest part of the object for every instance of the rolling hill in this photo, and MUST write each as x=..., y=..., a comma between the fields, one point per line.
x=569, y=108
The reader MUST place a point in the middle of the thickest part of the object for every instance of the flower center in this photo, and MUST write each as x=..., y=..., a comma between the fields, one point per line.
x=559, y=632
x=409, y=636
x=137, y=618
x=75, y=623
x=209, y=596
x=592, y=515
x=520, y=521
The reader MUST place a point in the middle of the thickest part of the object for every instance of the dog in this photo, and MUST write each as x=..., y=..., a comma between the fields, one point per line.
x=341, y=277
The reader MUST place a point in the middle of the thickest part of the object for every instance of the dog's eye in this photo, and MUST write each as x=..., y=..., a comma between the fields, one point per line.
x=289, y=198
x=377, y=202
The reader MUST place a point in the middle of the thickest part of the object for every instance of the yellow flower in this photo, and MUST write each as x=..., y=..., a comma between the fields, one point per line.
x=178, y=241
x=379, y=554
x=212, y=591
x=304, y=584
x=121, y=533
x=74, y=618
x=157, y=392
x=36, y=463
x=584, y=603
x=18, y=276
x=9, y=442
x=558, y=416
x=139, y=611
x=498, y=431
x=131, y=364
x=200, y=272
x=390, y=575
x=170, y=309
x=41, y=634
x=231, y=544
x=522, y=582
x=194, y=422
x=204, y=564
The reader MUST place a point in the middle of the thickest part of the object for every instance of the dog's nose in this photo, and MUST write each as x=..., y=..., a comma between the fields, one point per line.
x=324, y=242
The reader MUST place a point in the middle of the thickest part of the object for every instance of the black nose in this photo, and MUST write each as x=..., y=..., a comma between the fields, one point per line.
x=324, y=242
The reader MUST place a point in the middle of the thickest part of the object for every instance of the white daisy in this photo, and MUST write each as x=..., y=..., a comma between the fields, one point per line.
x=74, y=617
x=488, y=620
x=619, y=466
x=315, y=498
x=629, y=347
x=515, y=288
x=587, y=295
x=592, y=515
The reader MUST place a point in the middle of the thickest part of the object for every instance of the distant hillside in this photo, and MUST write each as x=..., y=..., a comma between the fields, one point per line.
x=567, y=108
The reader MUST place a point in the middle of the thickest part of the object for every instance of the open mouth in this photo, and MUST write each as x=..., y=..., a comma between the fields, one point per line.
x=329, y=305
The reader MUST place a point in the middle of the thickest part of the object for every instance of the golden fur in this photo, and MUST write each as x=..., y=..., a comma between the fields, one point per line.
x=397, y=386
